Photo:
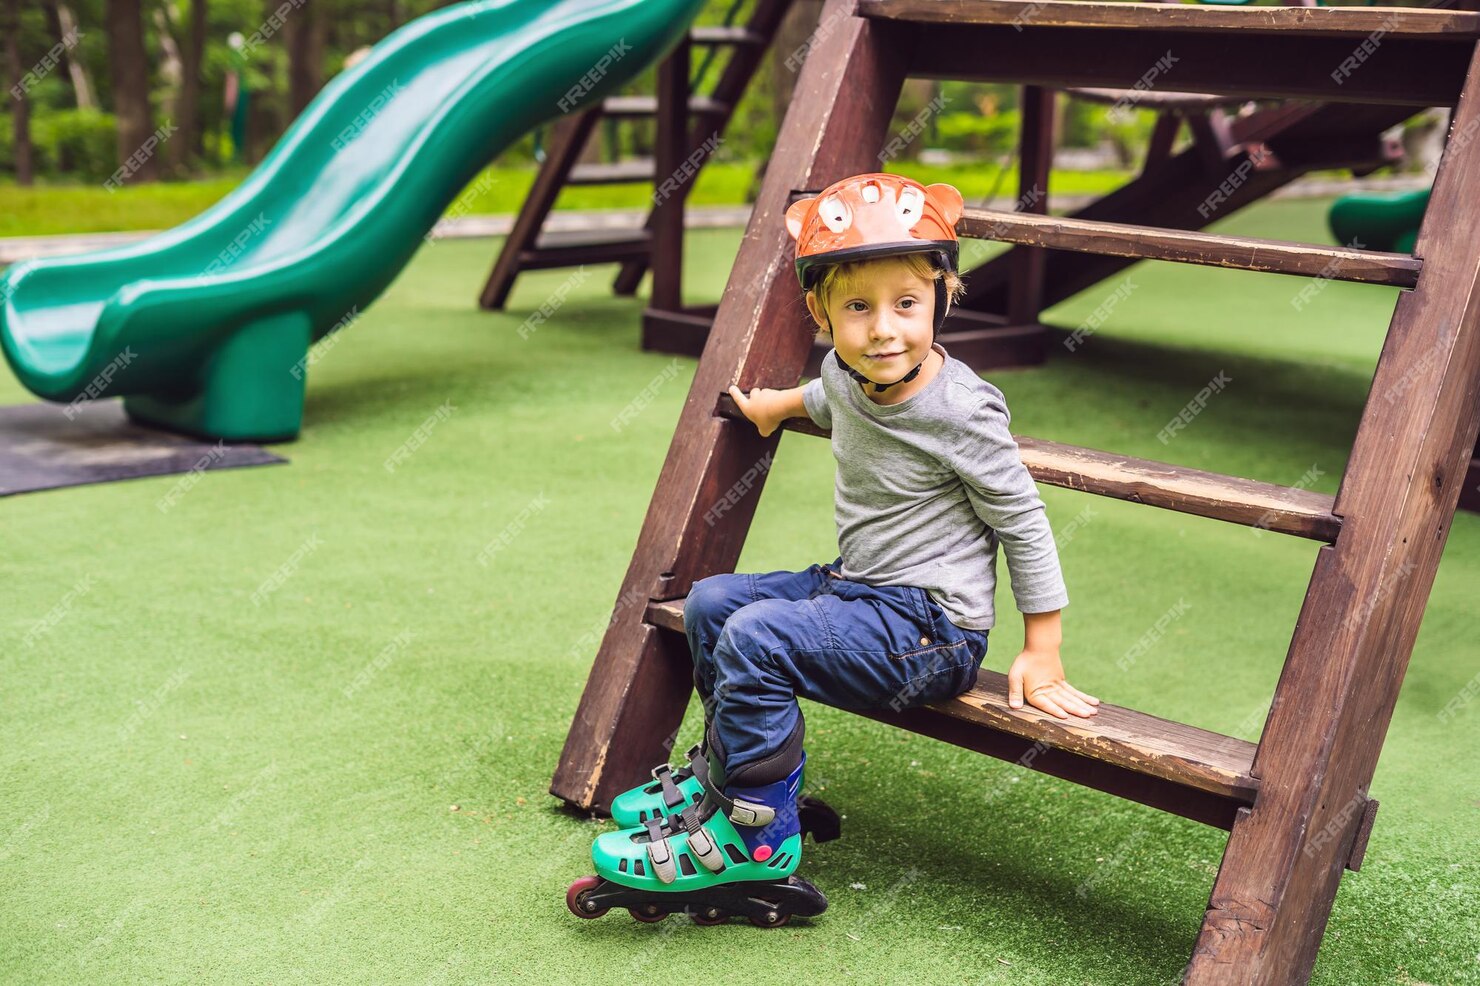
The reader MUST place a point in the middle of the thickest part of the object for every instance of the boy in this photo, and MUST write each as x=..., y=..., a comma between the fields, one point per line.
x=929, y=482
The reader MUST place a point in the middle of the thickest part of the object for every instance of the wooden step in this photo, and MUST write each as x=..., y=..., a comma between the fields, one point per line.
x=1192, y=247
x=1385, y=22
x=1140, y=744
x=612, y=173
x=629, y=106
x=726, y=35
x=1283, y=509
x=568, y=249
x=1169, y=194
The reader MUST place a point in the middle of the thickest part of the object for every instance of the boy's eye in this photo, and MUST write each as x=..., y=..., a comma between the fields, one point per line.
x=907, y=302
x=861, y=306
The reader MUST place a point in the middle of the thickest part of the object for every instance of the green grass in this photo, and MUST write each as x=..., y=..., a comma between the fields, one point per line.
x=67, y=208
x=259, y=825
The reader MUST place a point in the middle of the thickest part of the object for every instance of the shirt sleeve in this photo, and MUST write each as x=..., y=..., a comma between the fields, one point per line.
x=1003, y=494
x=815, y=398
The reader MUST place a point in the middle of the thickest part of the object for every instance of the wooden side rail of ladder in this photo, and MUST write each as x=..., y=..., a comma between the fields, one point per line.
x=684, y=141
x=1381, y=535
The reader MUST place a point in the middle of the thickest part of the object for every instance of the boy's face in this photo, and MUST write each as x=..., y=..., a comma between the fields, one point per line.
x=883, y=325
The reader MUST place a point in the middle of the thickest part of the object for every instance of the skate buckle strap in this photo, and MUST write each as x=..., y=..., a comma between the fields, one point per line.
x=701, y=844
x=751, y=813
x=739, y=811
x=663, y=774
x=672, y=796
x=687, y=819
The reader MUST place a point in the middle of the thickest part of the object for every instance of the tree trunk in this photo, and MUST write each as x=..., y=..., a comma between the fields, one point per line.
x=131, y=87
x=191, y=135
x=169, y=64
x=20, y=99
x=64, y=22
x=305, y=55
x=188, y=143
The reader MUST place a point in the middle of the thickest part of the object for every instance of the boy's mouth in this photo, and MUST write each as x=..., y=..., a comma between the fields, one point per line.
x=880, y=357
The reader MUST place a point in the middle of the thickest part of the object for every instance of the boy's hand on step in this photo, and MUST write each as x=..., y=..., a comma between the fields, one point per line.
x=1040, y=676
x=767, y=408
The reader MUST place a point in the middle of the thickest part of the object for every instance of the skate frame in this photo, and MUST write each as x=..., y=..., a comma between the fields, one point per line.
x=1296, y=803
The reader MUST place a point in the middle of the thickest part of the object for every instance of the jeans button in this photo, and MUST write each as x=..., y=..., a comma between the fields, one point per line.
x=924, y=641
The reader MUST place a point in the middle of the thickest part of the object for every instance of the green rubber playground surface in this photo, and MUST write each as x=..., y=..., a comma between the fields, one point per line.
x=296, y=723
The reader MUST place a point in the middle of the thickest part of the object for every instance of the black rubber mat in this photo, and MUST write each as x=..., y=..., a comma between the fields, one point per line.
x=44, y=446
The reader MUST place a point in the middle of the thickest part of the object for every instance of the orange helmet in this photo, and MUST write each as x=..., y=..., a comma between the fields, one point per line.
x=874, y=215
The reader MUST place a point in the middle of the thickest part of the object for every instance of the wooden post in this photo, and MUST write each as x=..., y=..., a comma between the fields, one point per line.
x=1272, y=897
x=671, y=184
x=567, y=137
x=1025, y=299
x=638, y=688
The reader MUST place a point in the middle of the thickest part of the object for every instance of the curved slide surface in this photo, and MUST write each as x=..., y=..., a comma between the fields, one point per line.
x=1379, y=220
x=204, y=328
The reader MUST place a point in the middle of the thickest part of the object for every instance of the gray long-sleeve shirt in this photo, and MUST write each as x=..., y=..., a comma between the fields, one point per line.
x=928, y=487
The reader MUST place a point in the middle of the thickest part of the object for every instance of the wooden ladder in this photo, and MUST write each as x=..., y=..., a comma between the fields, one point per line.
x=1296, y=802
x=689, y=125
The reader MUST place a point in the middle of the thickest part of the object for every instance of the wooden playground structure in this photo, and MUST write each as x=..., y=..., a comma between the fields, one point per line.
x=1296, y=802
x=689, y=127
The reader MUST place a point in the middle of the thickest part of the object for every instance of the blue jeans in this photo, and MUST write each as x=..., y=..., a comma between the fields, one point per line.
x=760, y=641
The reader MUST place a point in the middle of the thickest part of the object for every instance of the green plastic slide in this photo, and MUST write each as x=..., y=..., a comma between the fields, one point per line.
x=1379, y=220
x=205, y=328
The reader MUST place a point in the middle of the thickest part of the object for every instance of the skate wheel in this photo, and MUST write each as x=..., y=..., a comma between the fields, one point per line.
x=709, y=916
x=770, y=919
x=647, y=913
x=578, y=898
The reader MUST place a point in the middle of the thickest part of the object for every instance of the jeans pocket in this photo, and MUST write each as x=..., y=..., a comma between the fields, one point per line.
x=955, y=655
x=935, y=674
x=917, y=633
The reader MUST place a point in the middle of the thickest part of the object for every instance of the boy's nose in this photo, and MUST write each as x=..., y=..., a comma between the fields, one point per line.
x=884, y=328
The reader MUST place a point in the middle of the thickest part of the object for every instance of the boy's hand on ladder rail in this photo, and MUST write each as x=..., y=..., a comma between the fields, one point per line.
x=768, y=408
x=1040, y=676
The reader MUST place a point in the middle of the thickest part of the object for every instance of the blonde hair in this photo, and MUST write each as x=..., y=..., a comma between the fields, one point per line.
x=846, y=277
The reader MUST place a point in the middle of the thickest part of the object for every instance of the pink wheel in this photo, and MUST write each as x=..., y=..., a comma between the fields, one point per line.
x=578, y=898
x=648, y=913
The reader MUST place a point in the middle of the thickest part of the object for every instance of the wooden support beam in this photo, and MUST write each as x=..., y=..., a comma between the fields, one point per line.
x=1402, y=71
x=567, y=138
x=667, y=220
x=1309, y=22
x=1272, y=897
x=1035, y=162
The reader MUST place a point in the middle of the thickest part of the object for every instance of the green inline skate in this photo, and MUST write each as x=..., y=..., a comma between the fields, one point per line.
x=735, y=852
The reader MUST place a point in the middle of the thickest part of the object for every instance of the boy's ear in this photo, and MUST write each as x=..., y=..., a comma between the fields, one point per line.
x=794, y=215
x=947, y=199
x=814, y=308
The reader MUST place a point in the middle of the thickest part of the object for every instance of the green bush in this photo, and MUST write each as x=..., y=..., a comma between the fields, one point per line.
x=974, y=131
x=78, y=142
